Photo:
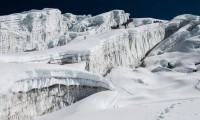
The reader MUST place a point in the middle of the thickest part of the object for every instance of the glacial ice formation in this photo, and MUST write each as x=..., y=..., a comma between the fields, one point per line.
x=31, y=42
x=40, y=49
x=121, y=47
x=165, y=85
x=32, y=90
x=29, y=90
x=43, y=29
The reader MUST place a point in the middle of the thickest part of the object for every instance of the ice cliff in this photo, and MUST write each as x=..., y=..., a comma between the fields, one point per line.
x=47, y=28
x=31, y=90
x=121, y=47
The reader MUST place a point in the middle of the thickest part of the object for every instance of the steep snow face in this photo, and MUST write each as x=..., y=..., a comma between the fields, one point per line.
x=181, y=28
x=180, y=51
x=43, y=29
x=30, y=90
x=178, y=22
x=123, y=47
x=183, y=57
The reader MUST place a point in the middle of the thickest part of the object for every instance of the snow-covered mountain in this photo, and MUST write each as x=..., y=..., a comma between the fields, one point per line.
x=108, y=66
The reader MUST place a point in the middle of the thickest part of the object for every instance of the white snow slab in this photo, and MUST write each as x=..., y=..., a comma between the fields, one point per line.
x=13, y=75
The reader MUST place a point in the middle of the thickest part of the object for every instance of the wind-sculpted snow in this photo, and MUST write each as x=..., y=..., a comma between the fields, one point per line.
x=31, y=90
x=178, y=22
x=43, y=29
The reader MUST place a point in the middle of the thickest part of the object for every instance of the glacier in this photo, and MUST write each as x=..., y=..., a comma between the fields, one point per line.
x=66, y=66
x=39, y=49
x=164, y=86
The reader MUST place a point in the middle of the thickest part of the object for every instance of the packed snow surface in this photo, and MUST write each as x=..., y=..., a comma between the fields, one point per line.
x=25, y=73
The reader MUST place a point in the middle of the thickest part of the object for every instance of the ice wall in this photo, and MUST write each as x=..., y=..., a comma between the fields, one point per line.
x=28, y=91
x=126, y=48
x=43, y=29
x=37, y=102
x=121, y=47
x=33, y=30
